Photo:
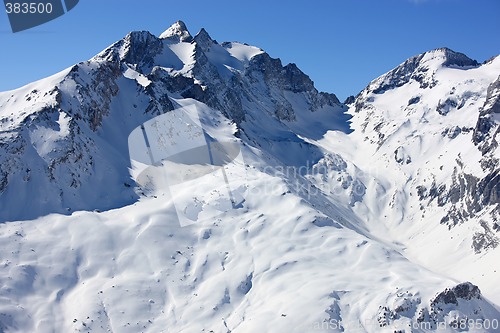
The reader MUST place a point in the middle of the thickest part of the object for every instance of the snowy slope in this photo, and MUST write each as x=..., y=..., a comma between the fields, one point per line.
x=431, y=182
x=328, y=233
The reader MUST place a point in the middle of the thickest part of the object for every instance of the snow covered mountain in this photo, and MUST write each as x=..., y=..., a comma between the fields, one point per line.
x=433, y=121
x=66, y=136
x=376, y=216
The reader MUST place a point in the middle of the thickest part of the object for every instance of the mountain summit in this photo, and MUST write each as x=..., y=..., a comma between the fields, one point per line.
x=177, y=32
x=451, y=58
x=377, y=216
x=421, y=68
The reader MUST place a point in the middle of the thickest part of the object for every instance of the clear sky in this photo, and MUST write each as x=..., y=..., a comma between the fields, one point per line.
x=340, y=44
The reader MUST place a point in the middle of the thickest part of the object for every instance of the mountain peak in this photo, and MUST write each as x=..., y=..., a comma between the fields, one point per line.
x=177, y=32
x=451, y=58
x=421, y=68
x=203, y=39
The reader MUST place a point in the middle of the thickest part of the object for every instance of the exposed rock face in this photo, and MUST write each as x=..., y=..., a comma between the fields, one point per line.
x=457, y=59
x=349, y=100
x=486, y=239
x=470, y=194
x=487, y=128
x=463, y=291
x=140, y=48
x=411, y=69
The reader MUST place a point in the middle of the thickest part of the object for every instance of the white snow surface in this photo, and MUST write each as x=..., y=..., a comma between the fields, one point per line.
x=242, y=52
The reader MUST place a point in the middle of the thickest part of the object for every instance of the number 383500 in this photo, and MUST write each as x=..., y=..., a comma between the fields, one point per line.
x=28, y=8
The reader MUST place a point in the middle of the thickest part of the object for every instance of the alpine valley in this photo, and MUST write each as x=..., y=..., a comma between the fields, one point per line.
x=379, y=214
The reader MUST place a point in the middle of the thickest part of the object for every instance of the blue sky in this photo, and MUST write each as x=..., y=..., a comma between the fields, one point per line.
x=340, y=44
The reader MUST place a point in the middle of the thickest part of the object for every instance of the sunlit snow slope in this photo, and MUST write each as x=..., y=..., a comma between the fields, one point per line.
x=377, y=216
x=426, y=138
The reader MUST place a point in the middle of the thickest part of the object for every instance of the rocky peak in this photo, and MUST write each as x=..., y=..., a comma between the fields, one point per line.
x=177, y=32
x=203, y=40
x=451, y=58
x=350, y=100
x=297, y=80
x=288, y=77
x=140, y=48
x=420, y=68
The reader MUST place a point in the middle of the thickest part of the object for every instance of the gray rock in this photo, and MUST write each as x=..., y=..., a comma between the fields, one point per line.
x=444, y=107
x=487, y=128
x=413, y=100
x=457, y=59
x=349, y=100
x=463, y=291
